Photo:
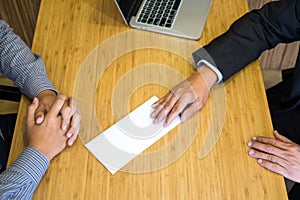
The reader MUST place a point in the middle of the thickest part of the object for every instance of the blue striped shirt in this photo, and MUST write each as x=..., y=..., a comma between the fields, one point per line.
x=19, y=64
x=21, y=179
x=27, y=70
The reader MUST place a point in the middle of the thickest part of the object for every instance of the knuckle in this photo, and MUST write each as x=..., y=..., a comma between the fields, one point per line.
x=61, y=97
x=200, y=104
x=187, y=95
x=271, y=158
x=168, y=106
x=269, y=148
x=176, y=108
x=175, y=89
x=165, y=98
x=66, y=110
x=293, y=148
x=158, y=109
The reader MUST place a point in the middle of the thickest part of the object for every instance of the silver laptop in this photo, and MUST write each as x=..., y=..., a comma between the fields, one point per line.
x=182, y=18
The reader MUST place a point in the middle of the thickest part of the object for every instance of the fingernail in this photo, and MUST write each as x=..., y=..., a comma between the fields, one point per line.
x=259, y=161
x=249, y=144
x=251, y=152
x=64, y=127
x=254, y=138
x=34, y=100
x=165, y=125
x=69, y=135
x=70, y=143
x=39, y=120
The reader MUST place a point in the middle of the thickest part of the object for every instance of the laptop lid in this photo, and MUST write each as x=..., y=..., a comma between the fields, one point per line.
x=128, y=8
x=189, y=22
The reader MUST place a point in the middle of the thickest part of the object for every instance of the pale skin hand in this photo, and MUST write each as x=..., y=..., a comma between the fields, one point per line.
x=186, y=98
x=48, y=137
x=278, y=154
x=70, y=113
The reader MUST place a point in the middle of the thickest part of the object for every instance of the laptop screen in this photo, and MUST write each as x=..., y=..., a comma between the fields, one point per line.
x=128, y=7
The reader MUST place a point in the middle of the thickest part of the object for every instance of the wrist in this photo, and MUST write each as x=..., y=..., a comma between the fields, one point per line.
x=208, y=75
x=48, y=155
x=46, y=93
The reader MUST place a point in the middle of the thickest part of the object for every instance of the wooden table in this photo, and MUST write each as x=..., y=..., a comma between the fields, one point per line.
x=69, y=31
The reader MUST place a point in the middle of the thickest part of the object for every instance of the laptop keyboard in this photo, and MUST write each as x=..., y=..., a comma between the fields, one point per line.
x=159, y=12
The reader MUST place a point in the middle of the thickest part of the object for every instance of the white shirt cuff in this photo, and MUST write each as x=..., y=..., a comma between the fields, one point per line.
x=212, y=67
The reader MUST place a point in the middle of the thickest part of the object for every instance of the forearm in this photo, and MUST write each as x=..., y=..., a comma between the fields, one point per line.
x=21, y=179
x=19, y=64
x=249, y=36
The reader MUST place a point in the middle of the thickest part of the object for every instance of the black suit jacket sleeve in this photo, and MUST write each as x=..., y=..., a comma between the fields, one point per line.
x=256, y=31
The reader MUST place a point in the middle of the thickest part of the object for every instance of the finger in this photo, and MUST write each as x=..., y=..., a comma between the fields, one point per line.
x=281, y=137
x=273, y=167
x=163, y=100
x=269, y=157
x=73, y=104
x=270, y=141
x=268, y=148
x=72, y=139
x=57, y=105
x=159, y=105
x=40, y=114
x=190, y=111
x=66, y=112
x=73, y=136
x=31, y=111
x=75, y=124
x=74, y=129
x=178, y=108
x=75, y=117
x=165, y=111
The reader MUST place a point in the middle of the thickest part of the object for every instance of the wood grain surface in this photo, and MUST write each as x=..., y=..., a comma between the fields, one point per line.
x=67, y=34
x=21, y=15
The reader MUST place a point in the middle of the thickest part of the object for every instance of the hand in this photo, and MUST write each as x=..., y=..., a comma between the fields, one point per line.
x=186, y=98
x=70, y=113
x=47, y=137
x=278, y=154
x=46, y=99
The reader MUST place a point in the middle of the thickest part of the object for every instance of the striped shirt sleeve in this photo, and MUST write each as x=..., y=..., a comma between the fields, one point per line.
x=18, y=63
x=20, y=180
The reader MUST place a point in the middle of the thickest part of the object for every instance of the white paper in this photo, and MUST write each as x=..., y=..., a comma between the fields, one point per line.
x=129, y=137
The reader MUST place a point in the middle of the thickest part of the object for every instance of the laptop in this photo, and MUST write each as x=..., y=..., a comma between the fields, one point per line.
x=182, y=18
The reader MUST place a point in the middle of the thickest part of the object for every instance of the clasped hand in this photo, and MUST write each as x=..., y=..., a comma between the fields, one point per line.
x=69, y=111
x=52, y=123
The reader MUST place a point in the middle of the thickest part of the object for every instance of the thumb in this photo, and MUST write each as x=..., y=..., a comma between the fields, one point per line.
x=281, y=137
x=31, y=110
x=39, y=114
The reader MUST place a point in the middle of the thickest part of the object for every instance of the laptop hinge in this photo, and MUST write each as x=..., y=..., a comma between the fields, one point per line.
x=134, y=10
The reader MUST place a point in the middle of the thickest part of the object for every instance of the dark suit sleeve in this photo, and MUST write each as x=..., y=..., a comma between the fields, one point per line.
x=276, y=22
